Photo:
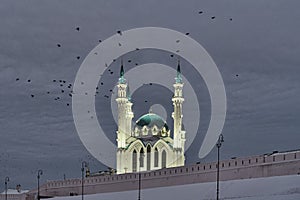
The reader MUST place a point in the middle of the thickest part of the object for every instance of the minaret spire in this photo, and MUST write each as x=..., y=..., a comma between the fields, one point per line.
x=122, y=79
x=178, y=77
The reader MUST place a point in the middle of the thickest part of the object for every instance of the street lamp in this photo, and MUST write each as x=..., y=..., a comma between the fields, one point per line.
x=140, y=176
x=219, y=144
x=6, y=182
x=83, y=165
x=139, y=195
x=39, y=173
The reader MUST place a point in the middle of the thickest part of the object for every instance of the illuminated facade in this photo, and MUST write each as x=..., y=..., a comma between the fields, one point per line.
x=148, y=145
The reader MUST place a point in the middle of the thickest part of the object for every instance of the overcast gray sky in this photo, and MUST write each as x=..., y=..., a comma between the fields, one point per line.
x=257, y=53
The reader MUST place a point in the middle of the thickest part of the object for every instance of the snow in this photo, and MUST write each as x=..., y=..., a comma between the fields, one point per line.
x=14, y=191
x=272, y=188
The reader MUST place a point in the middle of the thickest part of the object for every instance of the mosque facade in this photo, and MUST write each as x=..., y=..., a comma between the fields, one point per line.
x=148, y=144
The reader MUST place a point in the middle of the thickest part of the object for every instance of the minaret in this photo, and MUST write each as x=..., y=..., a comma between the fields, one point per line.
x=125, y=113
x=178, y=133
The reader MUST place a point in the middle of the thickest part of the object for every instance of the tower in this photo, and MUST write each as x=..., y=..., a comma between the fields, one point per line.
x=125, y=116
x=178, y=133
x=125, y=113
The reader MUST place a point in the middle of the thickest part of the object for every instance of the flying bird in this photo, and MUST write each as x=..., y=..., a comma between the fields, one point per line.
x=77, y=28
x=17, y=79
x=200, y=12
x=78, y=57
x=213, y=17
x=187, y=33
x=119, y=32
x=58, y=45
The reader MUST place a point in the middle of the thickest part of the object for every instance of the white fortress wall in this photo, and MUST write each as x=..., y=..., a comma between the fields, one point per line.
x=277, y=164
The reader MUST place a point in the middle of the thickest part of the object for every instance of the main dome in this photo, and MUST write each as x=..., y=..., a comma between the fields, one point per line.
x=150, y=125
x=150, y=120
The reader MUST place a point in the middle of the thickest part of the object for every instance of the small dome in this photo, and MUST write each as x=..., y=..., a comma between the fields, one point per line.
x=150, y=120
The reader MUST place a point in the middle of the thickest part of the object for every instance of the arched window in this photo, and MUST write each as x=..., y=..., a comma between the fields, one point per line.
x=134, y=161
x=155, y=157
x=148, y=157
x=142, y=155
x=164, y=159
x=145, y=130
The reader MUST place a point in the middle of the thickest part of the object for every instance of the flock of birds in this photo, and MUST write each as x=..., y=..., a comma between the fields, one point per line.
x=66, y=88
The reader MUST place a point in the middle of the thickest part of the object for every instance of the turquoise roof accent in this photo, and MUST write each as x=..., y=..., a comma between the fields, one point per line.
x=150, y=120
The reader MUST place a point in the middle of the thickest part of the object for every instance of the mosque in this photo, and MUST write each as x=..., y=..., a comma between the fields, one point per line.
x=148, y=145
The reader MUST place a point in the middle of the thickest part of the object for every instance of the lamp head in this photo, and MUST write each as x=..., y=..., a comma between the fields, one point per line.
x=6, y=180
x=221, y=138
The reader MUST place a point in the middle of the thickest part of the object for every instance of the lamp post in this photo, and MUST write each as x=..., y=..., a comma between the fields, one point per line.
x=140, y=176
x=219, y=144
x=83, y=165
x=39, y=173
x=6, y=182
x=139, y=194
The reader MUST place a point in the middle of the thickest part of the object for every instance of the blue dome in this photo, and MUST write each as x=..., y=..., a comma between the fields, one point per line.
x=150, y=120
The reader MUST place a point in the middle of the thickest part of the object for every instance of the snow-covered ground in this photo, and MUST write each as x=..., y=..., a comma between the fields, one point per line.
x=14, y=191
x=272, y=188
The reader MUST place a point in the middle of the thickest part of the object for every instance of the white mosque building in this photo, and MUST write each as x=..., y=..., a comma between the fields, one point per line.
x=148, y=145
